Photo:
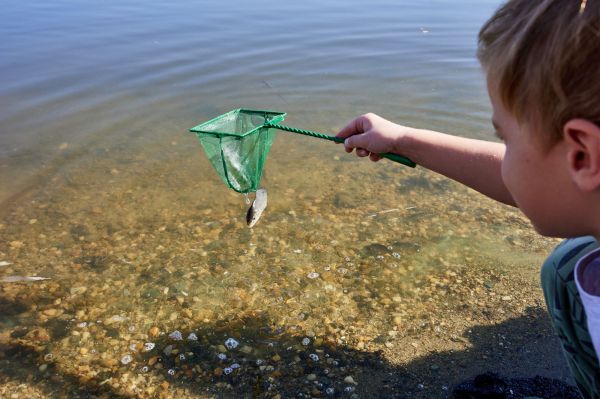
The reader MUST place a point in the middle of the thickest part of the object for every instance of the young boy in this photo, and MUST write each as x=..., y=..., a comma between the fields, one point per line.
x=542, y=63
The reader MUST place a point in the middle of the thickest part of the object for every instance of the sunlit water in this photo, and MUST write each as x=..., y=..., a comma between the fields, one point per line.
x=104, y=192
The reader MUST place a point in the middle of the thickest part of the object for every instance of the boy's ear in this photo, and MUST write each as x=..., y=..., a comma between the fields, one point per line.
x=582, y=138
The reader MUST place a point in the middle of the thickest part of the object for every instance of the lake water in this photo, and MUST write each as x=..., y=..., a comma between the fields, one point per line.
x=104, y=192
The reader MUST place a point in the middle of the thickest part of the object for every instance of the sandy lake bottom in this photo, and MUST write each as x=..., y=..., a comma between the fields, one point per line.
x=359, y=280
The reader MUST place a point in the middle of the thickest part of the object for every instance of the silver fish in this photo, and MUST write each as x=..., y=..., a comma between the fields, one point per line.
x=258, y=206
x=14, y=279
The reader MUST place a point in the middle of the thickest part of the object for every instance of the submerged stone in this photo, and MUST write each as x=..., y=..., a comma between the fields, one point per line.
x=192, y=337
x=375, y=250
x=231, y=343
x=148, y=346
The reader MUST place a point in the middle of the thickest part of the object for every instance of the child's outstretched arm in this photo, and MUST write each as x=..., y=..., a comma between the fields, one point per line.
x=474, y=163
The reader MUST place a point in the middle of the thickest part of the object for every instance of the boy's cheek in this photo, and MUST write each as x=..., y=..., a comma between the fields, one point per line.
x=504, y=174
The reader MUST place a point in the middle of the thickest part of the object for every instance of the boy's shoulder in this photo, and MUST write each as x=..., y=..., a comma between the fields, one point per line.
x=569, y=251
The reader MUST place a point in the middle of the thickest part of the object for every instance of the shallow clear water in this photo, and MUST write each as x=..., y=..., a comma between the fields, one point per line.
x=106, y=193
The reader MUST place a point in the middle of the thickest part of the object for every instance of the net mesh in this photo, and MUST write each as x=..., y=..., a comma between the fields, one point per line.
x=237, y=145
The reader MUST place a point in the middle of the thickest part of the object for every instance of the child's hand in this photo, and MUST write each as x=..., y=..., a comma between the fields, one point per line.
x=371, y=135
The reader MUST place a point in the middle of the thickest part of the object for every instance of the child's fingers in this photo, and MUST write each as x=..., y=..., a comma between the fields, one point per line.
x=356, y=141
x=374, y=157
x=361, y=152
x=348, y=130
x=357, y=126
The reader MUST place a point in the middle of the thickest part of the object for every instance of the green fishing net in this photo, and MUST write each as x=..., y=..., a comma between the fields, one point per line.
x=237, y=144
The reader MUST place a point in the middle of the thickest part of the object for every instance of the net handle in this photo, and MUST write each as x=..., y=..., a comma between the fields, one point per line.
x=388, y=155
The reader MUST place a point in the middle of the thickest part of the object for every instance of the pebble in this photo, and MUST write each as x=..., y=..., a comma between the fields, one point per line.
x=227, y=370
x=222, y=356
x=50, y=312
x=313, y=275
x=126, y=359
x=192, y=337
x=16, y=244
x=231, y=343
x=109, y=363
x=168, y=350
x=311, y=377
x=350, y=380
x=171, y=372
x=306, y=341
x=218, y=371
x=83, y=351
x=153, y=332
x=314, y=357
x=42, y=367
x=114, y=319
x=77, y=290
x=148, y=346
x=176, y=335
x=246, y=349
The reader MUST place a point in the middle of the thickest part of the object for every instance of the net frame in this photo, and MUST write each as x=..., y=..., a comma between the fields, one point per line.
x=237, y=144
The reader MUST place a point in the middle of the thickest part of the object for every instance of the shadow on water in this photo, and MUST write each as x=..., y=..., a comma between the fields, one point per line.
x=262, y=361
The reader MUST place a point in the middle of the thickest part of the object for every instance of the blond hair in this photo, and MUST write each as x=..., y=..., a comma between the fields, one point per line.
x=543, y=58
